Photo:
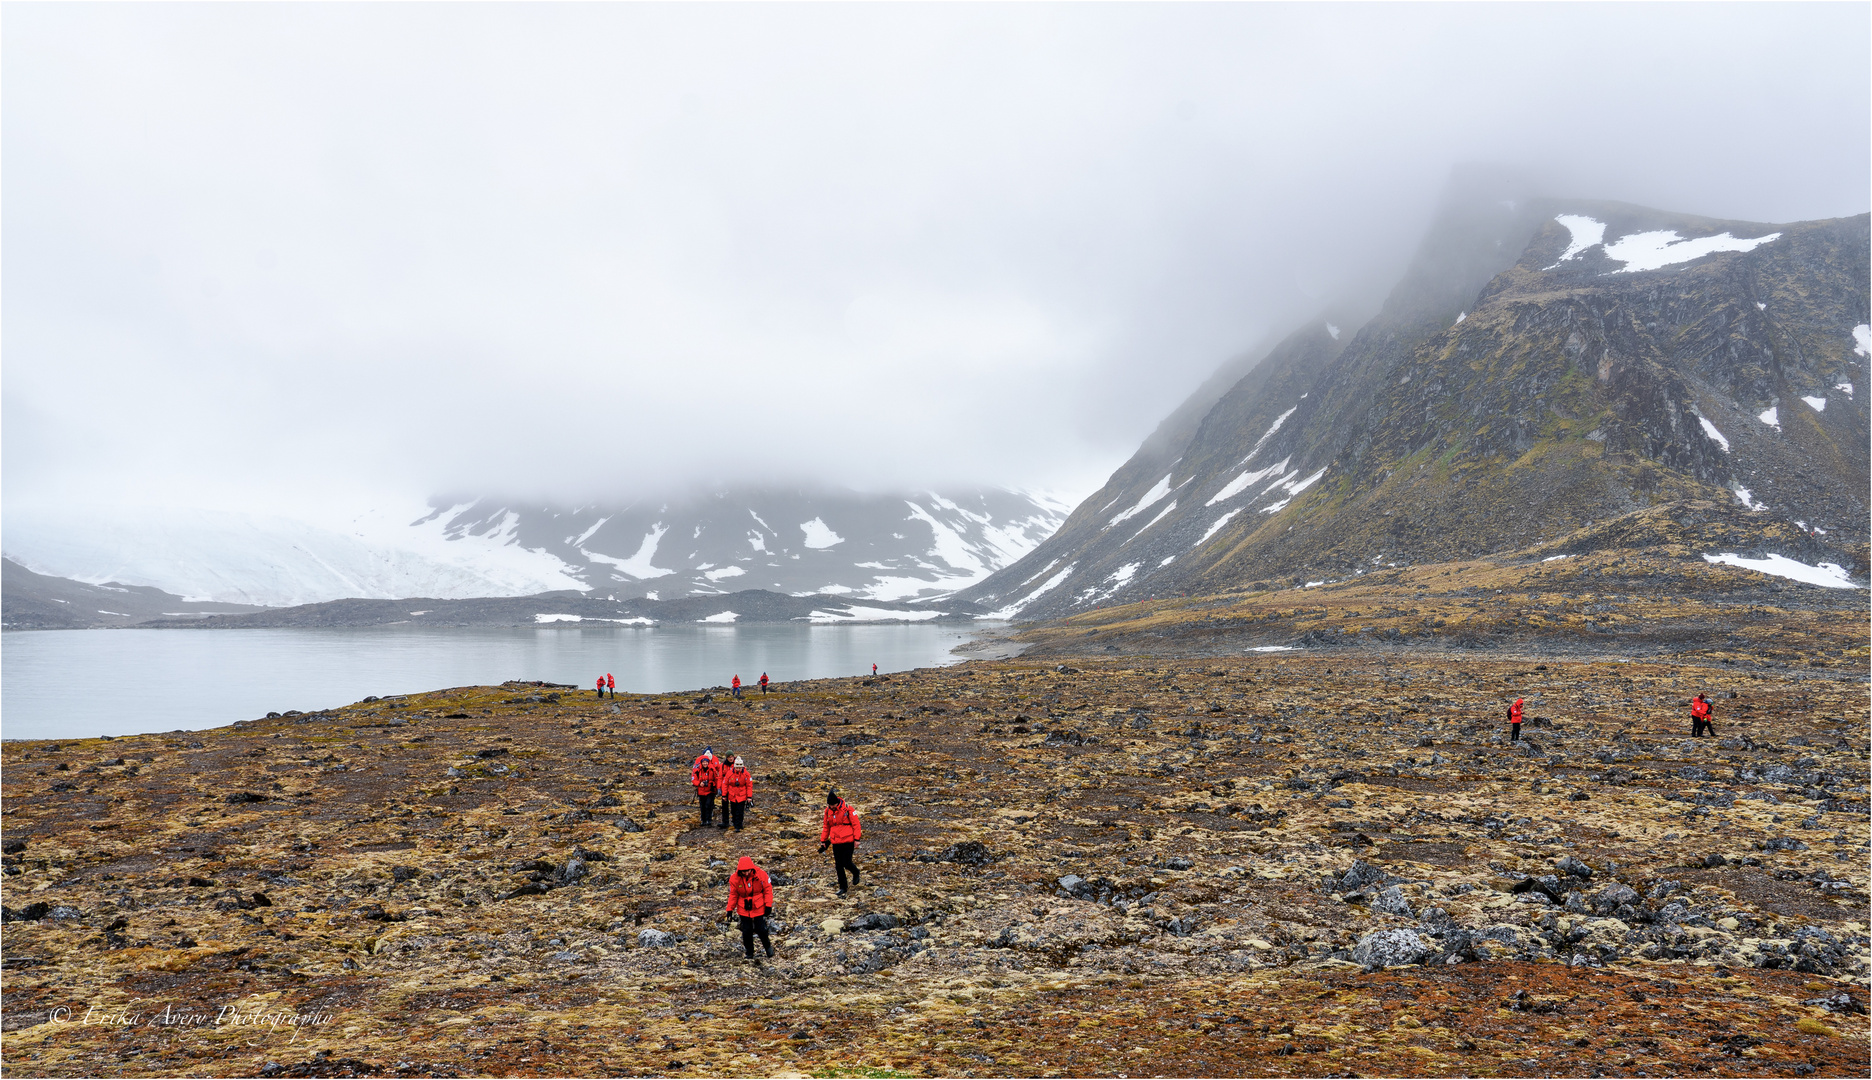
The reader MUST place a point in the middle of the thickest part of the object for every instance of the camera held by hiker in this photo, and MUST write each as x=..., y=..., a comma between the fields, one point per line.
x=1701, y=714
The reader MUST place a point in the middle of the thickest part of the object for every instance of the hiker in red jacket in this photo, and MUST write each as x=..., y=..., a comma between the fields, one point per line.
x=1514, y=720
x=841, y=831
x=1700, y=712
x=737, y=789
x=763, y=683
x=705, y=777
x=735, y=686
x=610, y=684
x=750, y=897
x=601, y=686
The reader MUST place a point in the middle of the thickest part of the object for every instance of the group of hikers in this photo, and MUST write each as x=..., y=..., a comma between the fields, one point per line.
x=750, y=890
x=607, y=684
x=1701, y=712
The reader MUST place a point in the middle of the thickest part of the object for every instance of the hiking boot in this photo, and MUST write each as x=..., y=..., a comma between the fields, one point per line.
x=856, y=874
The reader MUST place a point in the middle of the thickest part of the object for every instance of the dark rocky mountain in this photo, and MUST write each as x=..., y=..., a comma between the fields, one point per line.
x=1543, y=365
x=30, y=601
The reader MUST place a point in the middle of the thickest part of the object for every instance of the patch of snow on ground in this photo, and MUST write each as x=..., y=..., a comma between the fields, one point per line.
x=757, y=541
x=1826, y=575
x=1312, y=584
x=1818, y=403
x=1152, y=521
x=724, y=572
x=1844, y=388
x=1333, y=330
x=1748, y=500
x=1269, y=433
x=1710, y=430
x=836, y=590
x=638, y=565
x=1460, y=316
x=1274, y=648
x=1663, y=247
x=1771, y=416
x=1862, y=340
x=1013, y=609
x=1158, y=490
x=870, y=614
x=720, y=617
x=1294, y=487
x=949, y=545
x=1241, y=483
x=1584, y=232
x=1552, y=558
x=558, y=618
x=1124, y=573
x=1166, y=562
x=819, y=535
x=1217, y=527
x=587, y=534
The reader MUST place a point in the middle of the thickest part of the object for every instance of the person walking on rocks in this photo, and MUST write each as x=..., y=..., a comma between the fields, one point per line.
x=750, y=898
x=735, y=687
x=763, y=684
x=737, y=789
x=610, y=684
x=1700, y=713
x=705, y=777
x=874, y=671
x=841, y=831
x=1514, y=720
x=601, y=686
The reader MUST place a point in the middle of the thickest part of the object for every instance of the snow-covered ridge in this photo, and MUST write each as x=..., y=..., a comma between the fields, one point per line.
x=882, y=548
x=1653, y=249
x=1825, y=575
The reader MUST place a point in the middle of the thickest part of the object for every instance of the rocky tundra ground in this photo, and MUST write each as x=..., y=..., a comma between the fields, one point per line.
x=1320, y=863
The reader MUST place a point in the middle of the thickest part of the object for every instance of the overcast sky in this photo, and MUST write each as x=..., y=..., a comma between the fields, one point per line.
x=257, y=255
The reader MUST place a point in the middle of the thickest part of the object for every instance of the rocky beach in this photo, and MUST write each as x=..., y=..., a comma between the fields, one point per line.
x=1328, y=862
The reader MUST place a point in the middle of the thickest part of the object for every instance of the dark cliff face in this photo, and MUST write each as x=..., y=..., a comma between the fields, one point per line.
x=1543, y=365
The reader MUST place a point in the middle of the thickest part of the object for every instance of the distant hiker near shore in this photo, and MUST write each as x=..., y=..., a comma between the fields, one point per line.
x=840, y=830
x=763, y=683
x=1701, y=712
x=874, y=671
x=601, y=686
x=610, y=684
x=735, y=686
x=1514, y=720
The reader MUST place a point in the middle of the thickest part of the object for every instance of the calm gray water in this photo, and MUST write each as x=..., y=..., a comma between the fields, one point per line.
x=58, y=684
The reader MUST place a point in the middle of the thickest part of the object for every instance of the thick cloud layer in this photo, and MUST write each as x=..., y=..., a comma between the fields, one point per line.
x=263, y=255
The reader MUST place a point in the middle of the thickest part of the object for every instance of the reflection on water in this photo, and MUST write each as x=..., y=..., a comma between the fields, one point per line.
x=77, y=683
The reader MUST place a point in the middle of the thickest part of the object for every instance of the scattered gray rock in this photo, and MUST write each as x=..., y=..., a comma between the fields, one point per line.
x=1390, y=948
x=655, y=939
x=1573, y=867
x=1391, y=901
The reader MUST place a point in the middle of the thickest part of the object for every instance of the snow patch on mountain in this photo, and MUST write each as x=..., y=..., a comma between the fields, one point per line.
x=1771, y=416
x=1158, y=491
x=819, y=535
x=1584, y=232
x=1710, y=430
x=1818, y=403
x=1659, y=248
x=1825, y=575
x=1241, y=483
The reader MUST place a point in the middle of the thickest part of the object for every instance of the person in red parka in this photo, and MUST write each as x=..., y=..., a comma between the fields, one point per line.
x=737, y=789
x=601, y=686
x=840, y=830
x=734, y=687
x=763, y=682
x=750, y=897
x=705, y=777
x=610, y=684
x=1514, y=720
x=1700, y=713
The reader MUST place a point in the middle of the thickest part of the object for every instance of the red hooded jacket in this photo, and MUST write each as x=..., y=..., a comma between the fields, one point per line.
x=738, y=784
x=750, y=890
x=1700, y=708
x=840, y=825
x=1514, y=711
x=705, y=775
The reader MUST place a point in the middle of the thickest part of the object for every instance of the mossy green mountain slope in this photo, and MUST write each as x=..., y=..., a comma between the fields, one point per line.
x=1519, y=384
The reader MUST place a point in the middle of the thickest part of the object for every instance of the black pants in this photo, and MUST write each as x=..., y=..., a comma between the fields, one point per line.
x=708, y=807
x=1697, y=726
x=738, y=809
x=842, y=859
x=1514, y=732
x=752, y=925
